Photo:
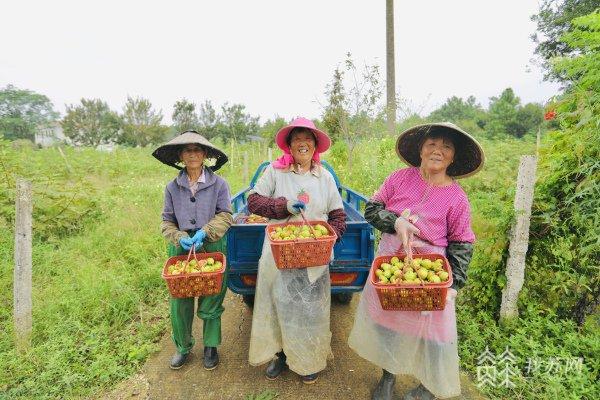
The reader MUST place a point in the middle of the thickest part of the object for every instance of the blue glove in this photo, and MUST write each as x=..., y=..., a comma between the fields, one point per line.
x=186, y=243
x=198, y=238
x=295, y=206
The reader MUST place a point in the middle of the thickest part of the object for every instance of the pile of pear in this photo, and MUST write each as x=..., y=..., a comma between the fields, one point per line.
x=293, y=232
x=410, y=272
x=194, y=266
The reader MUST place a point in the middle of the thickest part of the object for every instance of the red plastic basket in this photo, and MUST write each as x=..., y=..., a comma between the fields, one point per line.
x=411, y=297
x=302, y=253
x=194, y=284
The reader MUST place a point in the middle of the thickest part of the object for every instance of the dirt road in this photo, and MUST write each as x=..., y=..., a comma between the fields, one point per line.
x=347, y=376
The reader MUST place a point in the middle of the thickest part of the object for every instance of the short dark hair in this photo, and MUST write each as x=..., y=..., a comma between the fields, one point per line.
x=437, y=133
x=288, y=139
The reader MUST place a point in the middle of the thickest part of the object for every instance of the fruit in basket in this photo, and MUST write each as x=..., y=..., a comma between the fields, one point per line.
x=417, y=271
x=256, y=219
x=299, y=232
x=194, y=266
x=410, y=276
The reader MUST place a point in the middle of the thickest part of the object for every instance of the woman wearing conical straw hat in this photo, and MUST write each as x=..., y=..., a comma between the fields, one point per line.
x=420, y=209
x=197, y=213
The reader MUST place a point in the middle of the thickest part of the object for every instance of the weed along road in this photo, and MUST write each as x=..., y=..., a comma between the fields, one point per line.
x=346, y=376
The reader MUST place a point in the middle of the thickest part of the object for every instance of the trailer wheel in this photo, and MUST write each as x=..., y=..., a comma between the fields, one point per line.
x=342, y=298
x=248, y=300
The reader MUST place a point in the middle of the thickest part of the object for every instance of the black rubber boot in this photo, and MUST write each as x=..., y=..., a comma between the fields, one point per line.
x=178, y=360
x=211, y=358
x=276, y=367
x=310, y=379
x=385, y=388
x=419, y=393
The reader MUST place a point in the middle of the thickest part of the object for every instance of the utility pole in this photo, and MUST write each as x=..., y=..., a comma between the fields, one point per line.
x=390, y=67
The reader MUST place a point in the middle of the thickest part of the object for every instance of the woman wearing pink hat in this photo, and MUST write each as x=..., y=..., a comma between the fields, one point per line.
x=290, y=324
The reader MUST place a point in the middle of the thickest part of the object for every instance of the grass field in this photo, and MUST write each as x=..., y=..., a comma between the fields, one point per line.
x=100, y=305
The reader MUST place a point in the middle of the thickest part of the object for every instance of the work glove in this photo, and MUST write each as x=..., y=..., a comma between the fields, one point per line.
x=198, y=238
x=295, y=206
x=186, y=243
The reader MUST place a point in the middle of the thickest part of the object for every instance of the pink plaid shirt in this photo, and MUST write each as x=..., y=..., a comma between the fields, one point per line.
x=442, y=213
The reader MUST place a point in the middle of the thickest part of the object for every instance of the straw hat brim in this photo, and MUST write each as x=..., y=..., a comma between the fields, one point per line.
x=469, y=156
x=168, y=153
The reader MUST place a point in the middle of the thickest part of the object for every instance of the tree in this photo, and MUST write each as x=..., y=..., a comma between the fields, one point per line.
x=455, y=109
x=529, y=118
x=553, y=20
x=22, y=112
x=184, y=116
x=141, y=124
x=208, y=120
x=507, y=116
x=566, y=227
x=92, y=123
x=236, y=123
x=502, y=113
x=270, y=129
x=349, y=113
x=335, y=113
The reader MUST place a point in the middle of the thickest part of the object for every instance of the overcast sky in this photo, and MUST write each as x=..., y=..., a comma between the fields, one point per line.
x=275, y=56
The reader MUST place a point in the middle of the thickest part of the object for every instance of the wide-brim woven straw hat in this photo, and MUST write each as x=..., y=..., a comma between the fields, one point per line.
x=468, y=158
x=168, y=153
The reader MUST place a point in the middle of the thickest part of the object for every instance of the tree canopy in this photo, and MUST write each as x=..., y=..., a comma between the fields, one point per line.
x=23, y=112
x=91, y=123
x=554, y=20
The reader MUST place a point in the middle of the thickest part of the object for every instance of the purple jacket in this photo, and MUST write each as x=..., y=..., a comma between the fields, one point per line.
x=193, y=212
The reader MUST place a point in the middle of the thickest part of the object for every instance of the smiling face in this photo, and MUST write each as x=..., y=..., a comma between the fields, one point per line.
x=302, y=145
x=193, y=156
x=437, y=153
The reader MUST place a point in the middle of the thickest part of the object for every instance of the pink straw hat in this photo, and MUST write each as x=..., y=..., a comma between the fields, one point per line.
x=323, y=141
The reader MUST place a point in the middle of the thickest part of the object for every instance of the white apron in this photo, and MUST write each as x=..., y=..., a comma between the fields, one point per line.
x=291, y=307
x=421, y=344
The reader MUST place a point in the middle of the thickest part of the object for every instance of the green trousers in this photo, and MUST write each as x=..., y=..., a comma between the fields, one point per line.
x=210, y=309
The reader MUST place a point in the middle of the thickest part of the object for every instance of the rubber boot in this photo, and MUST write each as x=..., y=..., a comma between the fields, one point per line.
x=310, y=379
x=178, y=360
x=276, y=367
x=419, y=393
x=211, y=358
x=385, y=388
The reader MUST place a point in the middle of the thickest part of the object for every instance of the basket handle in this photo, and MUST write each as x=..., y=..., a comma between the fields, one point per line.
x=409, y=252
x=306, y=222
x=193, y=253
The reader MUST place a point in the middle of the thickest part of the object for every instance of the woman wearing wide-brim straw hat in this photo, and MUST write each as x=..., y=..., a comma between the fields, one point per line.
x=420, y=209
x=197, y=212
